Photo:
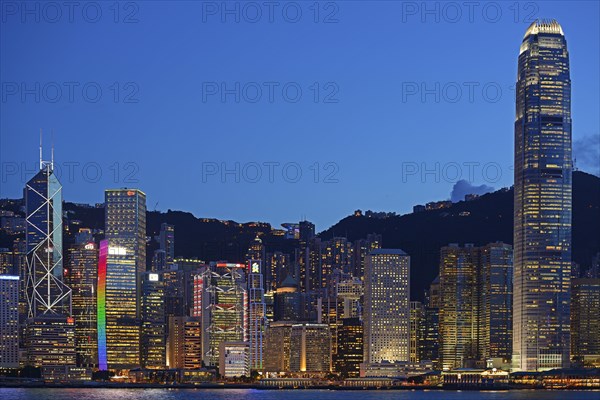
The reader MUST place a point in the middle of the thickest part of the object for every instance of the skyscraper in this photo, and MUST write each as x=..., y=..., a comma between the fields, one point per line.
x=350, y=347
x=49, y=334
x=257, y=320
x=542, y=202
x=9, y=321
x=166, y=240
x=121, y=263
x=224, y=313
x=153, y=330
x=184, y=347
x=475, y=304
x=310, y=346
x=495, y=308
x=459, y=305
x=82, y=277
x=386, y=310
x=45, y=291
x=585, y=320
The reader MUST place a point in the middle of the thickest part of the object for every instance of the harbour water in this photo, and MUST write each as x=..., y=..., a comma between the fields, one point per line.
x=253, y=394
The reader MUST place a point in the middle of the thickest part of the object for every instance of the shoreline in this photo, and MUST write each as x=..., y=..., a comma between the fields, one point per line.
x=144, y=386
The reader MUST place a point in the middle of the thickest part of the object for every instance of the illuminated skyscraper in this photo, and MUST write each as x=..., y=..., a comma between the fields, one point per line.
x=9, y=321
x=495, y=307
x=350, y=350
x=153, y=331
x=585, y=320
x=459, y=305
x=417, y=321
x=121, y=264
x=475, y=304
x=49, y=334
x=225, y=307
x=386, y=312
x=82, y=277
x=50, y=340
x=45, y=291
x=184, y=347
x=542, y=209
x=310, y=346
x=277, y=347
x=257, y=320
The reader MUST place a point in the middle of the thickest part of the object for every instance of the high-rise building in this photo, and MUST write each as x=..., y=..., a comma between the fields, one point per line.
x=459, y=305
x=9, y=321
x=277, y=347
x=307, y=230
x=361, y=248
x=417, y=324
x=234, y=359
x=118, y=321
x=224, y=318
x=184, y=347
x=349, y=293
x=542, y=201
x=585, y=321
x=45, y=291
x=495, y=307
x=288, y=301
x=350, y=350
x=256, y=251
x=257, y=320
x=49, y=332
x=310, y=346
x=122, y=262
x=50, y=341
x=125, y=217
x=386, y=310
x=6, y=262
x=475, y=304
x=278, y=268
x=429, y=342
x=82, y=277
x=166, y=240
x=337, y=255
x=153, y=331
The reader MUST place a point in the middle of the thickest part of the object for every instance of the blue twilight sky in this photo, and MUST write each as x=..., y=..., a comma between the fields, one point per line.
x=379, y=105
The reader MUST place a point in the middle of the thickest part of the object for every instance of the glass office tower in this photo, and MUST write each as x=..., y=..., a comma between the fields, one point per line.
x=45, y=291
x=121, y=263
x=542, y=212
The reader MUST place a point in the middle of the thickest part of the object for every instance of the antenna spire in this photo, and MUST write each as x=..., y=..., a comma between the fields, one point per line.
x=52, y=150
x=41, y=165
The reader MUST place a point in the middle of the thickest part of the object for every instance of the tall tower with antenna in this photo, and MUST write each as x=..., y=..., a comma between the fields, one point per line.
x=45, y=291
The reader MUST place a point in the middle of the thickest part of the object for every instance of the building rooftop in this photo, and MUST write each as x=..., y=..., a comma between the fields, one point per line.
x=388, y=251
x=544, y=26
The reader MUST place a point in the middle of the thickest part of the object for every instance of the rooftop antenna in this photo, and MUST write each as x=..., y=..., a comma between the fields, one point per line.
x=52, y=150
x=41, y=165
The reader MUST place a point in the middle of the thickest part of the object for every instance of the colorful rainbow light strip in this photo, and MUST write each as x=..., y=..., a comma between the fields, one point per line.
x=102, y=361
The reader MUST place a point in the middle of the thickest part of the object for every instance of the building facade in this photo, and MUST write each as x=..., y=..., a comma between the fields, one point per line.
x=82, y=277
x=310, y=346
x=153, y=331
x=386, y=309
x=585, y=321
x=542, y=201
x=122, y=261
x=9, y=321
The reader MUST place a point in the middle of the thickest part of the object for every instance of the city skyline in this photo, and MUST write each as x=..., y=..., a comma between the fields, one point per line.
x=369, y=110
x=485, y=292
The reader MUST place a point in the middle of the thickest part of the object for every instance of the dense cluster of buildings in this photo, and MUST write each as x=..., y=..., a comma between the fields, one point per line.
x=328, y=307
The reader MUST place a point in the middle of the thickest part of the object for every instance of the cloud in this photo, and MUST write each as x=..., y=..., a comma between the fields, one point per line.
x=586, y=151
x=463, y=187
